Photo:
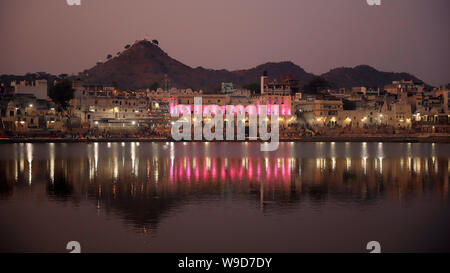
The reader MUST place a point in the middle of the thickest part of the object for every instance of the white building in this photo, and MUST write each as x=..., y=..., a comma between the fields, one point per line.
x=106, y=104
x=38, y=88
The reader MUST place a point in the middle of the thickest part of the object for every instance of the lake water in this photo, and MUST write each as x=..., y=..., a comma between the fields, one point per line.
x=224, y=197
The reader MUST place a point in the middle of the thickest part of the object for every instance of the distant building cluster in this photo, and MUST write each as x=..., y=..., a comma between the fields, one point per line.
x=402, y=106
x=286, y=87
x=25, y=107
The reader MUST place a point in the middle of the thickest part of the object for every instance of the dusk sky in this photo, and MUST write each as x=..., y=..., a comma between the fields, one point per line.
x=400, y=35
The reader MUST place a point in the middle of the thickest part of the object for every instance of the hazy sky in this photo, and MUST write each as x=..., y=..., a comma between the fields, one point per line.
x=400, y=35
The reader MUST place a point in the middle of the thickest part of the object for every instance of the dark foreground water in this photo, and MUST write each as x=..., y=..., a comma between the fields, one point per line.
x=224, y=197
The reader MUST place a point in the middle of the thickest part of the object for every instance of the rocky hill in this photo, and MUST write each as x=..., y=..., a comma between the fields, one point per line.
x=363, y=75
x=145, y=63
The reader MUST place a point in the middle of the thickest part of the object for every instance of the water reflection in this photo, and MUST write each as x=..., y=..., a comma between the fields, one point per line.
x=59, y=187
x=125, y=171
x=141, y=182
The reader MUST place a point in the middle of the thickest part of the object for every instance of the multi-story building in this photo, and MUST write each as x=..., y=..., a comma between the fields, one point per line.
x=360, y=118
x=24, y=113
x=286, y=87
x=404, y=86
x=444, y=94
x=108, y=108
x=341, y=93
x=38, y=88
x=397, y=115
x=166, y=95
x=320, y=112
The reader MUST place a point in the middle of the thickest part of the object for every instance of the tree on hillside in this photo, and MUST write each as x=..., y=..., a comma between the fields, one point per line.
x=316, y=85
x=155, y=42
x=61, y=93
x=253, y=87
x=127, y=46
x=109, y=56
x=154, y=86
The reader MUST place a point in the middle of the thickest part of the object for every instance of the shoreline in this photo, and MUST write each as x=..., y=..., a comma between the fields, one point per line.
x=396, y=139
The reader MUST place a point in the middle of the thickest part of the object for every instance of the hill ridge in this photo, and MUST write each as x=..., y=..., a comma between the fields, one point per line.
x=145, y=63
